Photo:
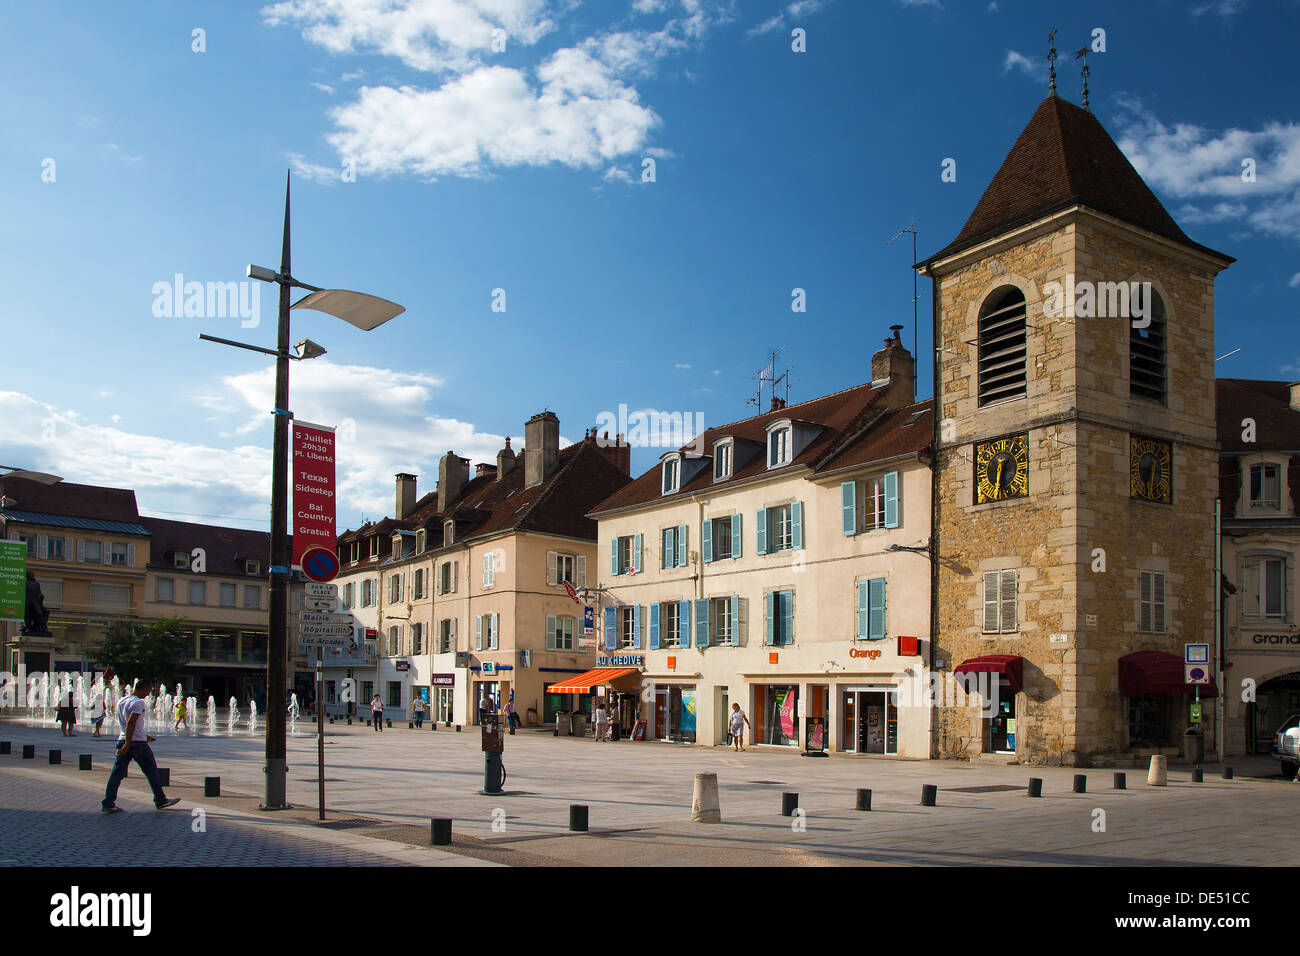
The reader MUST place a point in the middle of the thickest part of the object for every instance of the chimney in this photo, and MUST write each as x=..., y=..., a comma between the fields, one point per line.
x=541, y=446
x=453, y=476
x=616, y=451
x=1295, y=396
x=405, y=495
x=895, y=364
x=485, y=468
x=505, y=461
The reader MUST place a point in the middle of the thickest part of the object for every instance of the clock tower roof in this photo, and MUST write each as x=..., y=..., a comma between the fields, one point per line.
x=1064, y=157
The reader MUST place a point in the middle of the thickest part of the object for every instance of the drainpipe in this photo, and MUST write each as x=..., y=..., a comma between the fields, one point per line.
x=1221, y=704
x=934, y=509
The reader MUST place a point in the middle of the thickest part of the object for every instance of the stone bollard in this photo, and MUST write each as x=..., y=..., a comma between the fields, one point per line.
x=56, y=756
x=1158, y=775
x=929, y=794
x=704, y=801
x=789, y=803
x=1227, y=773
x=6, y=747
x=212, y=786
x=29, y=751
x=1121, y=780
x=863, y=801
x=439, y=832
x=84, y=762
x=578, y=817
x=165, y=776
x=1080, y=783
x=1035, y=786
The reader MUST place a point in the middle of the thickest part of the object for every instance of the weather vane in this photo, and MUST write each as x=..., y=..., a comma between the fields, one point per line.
x=1083, y=54
x=1051, y=62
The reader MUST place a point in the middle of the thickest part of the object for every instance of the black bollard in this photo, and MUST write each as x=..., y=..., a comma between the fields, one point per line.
x=557, y=729
x=578, y=817
x=29, y=751
x=863, y=801
x=1227, y=773
x=389, y=722
x=165, y=776
x=458, y=728
x=83, y=762
x=349, y=721
x=929, y=794
x=433, y=725
x=789, y=803
x=1035, y=786
x=1080, y=783
x=439, y=832
x=6, y=747
x=1198, y=775
x=56, y=756
x=212, y=786
x=1121, y=781
x=410, y=725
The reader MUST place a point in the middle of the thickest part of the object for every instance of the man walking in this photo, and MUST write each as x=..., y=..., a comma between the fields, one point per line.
x=377, y=712
x=134, y=745
x=418, y=707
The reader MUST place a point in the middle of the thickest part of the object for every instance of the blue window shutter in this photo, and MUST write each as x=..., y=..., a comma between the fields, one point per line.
x=891, y=499
x=849, y=507
x=706, y=540
x=684, y=623
x=613, y=556
x=862, y=611
x=735, y=619
x=787, y=617
x=760, y=532
x=666, y=549
x=636, y=625
x=769, y=600
x=681, y=545
x=796, y=524
x=636, y=554
x=611, y=628
x=702, y=623
x=876, y=609
x=736, y=536
x=655, y=614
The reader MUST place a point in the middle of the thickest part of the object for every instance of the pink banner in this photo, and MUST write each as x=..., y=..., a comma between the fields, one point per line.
x=313, y=488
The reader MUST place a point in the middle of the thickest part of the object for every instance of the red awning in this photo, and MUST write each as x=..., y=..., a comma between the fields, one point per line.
x=1155, y=672
x=593, y=678
x=1008, y=664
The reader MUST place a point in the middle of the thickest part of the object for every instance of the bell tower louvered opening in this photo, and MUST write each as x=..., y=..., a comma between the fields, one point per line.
x=1146, y=353
x=1002, y=347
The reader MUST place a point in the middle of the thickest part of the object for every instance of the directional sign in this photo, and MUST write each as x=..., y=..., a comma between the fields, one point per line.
x=320, y=589
x=322, y=641
x=341, y=631
x=1196, y=674
x=1196, y=653
x=320, y=564
x=320, y=604
x=315, y=617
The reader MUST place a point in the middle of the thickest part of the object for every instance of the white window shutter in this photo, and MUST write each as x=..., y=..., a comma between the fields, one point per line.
x=550, y=632
x=81, y=549
x=452, y=633
x=105, y=552
x=478, y=632
x=455, y=573
x=990, y=602
x=130, y=555
x=69, y=545
x=580, y=570
x=1008, y=599
x=1158, y=602
x=552, y=576
x=740, y=626
x=42, y=546
x=496, y=631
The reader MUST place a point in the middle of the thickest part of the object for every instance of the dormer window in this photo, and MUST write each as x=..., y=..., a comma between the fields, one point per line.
x=397, y=546
x=672, y=475
x=252, y=568
x=374, y=546
x=779, y=445
x=420, y=538
x=1265, y=487
x=448, y=531
x=722, y=460
x=181, y=560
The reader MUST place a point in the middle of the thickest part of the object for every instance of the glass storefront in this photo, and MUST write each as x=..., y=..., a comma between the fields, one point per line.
x=1002, y=725
x=442, y=702
x=868, y=721
x=775, y=718
x=676, y=713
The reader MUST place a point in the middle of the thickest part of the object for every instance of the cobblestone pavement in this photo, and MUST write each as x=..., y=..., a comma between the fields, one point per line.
x=385, y=787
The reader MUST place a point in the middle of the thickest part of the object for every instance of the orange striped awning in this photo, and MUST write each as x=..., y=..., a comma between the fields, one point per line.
x=593, y=678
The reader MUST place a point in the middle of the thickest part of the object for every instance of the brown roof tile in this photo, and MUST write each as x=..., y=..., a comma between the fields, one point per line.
x=226, y=548
x=73, y=500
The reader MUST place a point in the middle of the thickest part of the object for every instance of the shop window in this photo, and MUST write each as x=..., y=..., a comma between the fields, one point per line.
x=1151, y=720
x=394, y=694
x=776, y=709
x=252, y=647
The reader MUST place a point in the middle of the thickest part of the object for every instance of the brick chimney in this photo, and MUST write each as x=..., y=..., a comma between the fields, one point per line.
x=405, y=495
x=897, y=365
x=616, y=450
x=541, y=447
x=1295, y=396
x=453, y=476
x=505, y=460
x=485, y=468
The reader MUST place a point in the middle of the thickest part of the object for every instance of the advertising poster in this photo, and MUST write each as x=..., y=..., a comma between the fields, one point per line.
x=786, y=705
x=689, y=707
x=13, y=580
x=312, y=473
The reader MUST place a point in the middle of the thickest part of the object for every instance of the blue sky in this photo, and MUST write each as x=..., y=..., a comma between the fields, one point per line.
x=520, y=169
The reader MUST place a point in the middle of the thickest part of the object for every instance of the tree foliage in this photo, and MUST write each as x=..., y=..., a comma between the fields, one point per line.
x=157, y=650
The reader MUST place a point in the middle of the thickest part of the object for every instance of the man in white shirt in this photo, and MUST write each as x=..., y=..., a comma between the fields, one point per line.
x=602, y=721
x=133, y=744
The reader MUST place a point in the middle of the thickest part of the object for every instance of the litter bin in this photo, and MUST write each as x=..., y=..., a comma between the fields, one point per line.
x=563, y=724
x=579, y=725
x=1194, y=745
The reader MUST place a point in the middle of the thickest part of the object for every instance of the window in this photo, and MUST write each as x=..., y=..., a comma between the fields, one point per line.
x=673, y=552
x=345, y=596
x=566, y=567
x=1263, y=594
x=446, y=636
x=181, y=561
x=29, y=540
x=486, y=631
x=368, y=592
x=625, y=554
x=1002, y=347
x=1266, y=487
x=724, y=616
x=722, y=460
x=417, y=638
x=119, y=554
x=91, y=551
x=780, y=528
x=720, y=538
x=374, y=546
x=421, y=538
x=672, y=473
x=778, y=446
x=489, y=569
x=871, y=610
x=871, y=504
x=198, y=592
x=53, y=549
x=559, y=632
x=779, y=626
x=447, y=577
x=227, y=593
x=395, y=640
x=252, y=568
x=110, y=597
x=417, y=587
x=999, y=602
x=670, y=625
x=395, y=589
x=630, y=626
x=394, y=694
x=165, y=590
x=1151, y=603
x=1146, y=351
x=449, y=531
x=253, y=596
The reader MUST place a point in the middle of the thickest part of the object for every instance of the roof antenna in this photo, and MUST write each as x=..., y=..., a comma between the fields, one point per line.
x=1084, y=54
x=767, y=375
x=911, y=227
x=1051, y=62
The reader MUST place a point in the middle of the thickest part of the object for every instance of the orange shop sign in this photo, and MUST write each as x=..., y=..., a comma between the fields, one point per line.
x=869, y=654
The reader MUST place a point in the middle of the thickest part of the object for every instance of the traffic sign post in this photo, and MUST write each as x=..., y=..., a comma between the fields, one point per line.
x=320, y=564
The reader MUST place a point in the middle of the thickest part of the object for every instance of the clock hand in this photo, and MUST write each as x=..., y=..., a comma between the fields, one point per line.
x=999, y=483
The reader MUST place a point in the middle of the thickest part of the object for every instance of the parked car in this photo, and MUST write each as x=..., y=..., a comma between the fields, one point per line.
x=1286, y=746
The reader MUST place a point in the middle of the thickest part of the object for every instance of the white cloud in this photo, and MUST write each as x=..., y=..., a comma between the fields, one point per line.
x=1032, y=68
x=1295, y=281
x=795, y=9
x=313, y=172
x=683, y=366
x=992, y=8
x=617, y=174
x=324, y=88
x=1224, y=9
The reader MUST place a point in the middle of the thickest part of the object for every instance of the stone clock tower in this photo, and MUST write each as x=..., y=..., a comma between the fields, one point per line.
x=1076, y=456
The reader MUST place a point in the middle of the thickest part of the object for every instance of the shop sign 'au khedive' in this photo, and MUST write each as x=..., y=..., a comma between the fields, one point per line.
x=636, y=661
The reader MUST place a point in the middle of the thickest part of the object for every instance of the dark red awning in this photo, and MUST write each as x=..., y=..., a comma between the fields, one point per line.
x=1155, y=672
x=1008, y=664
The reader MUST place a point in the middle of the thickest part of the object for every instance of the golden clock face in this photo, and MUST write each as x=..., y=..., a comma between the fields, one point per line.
x=1002, y=469
x=1151, y=469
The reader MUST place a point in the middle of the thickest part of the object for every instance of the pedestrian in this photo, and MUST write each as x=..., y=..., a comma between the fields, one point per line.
x=182, y=715
x=67, y=715
x=134, y=743
x=739, y=719
x=98, y=710
x=418, y=707
x=602, y=721
x=377, y=712
x=512, y=718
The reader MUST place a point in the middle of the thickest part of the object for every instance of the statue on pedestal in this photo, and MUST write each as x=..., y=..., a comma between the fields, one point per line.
x=36, y=614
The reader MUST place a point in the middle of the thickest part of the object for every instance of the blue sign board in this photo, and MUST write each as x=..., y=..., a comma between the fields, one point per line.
x=620, y=661
x=588, y=620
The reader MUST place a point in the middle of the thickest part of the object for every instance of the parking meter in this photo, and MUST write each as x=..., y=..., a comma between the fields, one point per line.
x=493, y=745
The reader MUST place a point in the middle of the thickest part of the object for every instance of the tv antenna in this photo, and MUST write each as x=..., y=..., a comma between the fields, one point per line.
x=911, y=228
x=767, y=375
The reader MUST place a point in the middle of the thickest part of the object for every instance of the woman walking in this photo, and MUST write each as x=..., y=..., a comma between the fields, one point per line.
x=739, y=720
x=67, y=715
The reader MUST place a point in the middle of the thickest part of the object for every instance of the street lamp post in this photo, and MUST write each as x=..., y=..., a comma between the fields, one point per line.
x=365, y=312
